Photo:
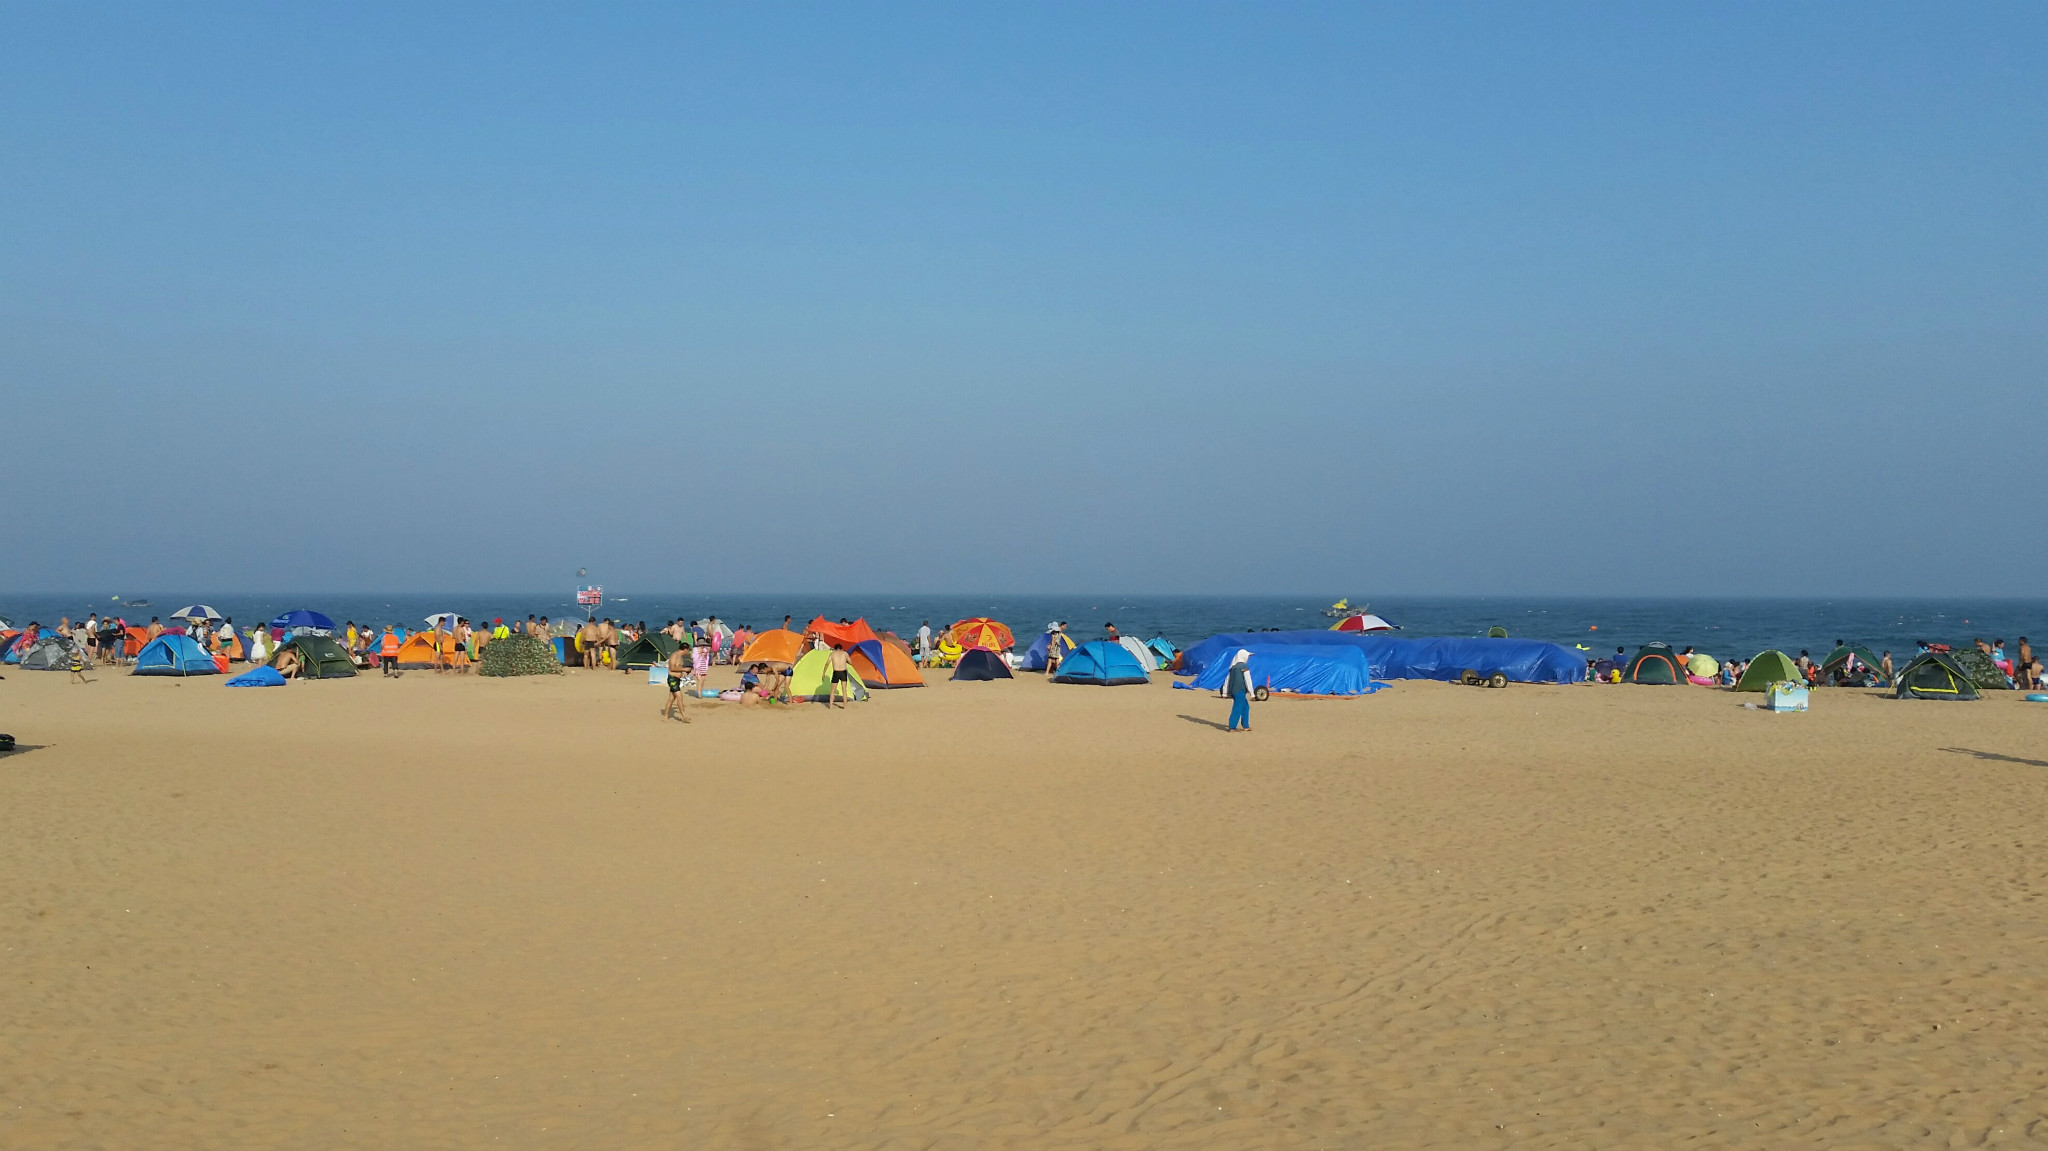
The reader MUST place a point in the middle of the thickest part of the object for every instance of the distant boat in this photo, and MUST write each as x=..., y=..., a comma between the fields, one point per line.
x=140, y=603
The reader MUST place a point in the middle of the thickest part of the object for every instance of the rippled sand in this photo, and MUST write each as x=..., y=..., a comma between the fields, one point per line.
x=459, y=913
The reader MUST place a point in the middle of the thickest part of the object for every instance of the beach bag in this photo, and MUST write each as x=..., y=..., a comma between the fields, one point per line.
x=657, y=675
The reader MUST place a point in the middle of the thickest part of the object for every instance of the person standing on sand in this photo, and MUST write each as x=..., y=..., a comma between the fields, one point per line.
x=586, y=644
x=2023, y=663
x=1237, y=684
x=678, y=665
x=924, y=642
x=1885, y=662
x=842, y=676
x=387, y=651
x=607, y=644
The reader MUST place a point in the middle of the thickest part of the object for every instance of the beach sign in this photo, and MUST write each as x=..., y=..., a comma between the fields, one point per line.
x=590, y=595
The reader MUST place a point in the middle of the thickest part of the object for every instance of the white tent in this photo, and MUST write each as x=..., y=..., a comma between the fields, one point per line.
x=1146, y=657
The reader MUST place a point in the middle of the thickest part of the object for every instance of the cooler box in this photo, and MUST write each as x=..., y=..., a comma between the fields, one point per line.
x=1785, y=695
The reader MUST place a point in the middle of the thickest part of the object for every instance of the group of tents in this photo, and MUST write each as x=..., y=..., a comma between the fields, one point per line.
x=1929, y=675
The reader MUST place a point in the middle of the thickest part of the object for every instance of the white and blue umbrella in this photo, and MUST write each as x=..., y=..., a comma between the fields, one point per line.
x=442, y=619
x=197, y=613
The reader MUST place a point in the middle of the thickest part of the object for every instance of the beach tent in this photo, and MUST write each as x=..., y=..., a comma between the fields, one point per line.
x=811, y=679
x=51, y=652
x=981, y=664
x=174, y=655
x=981, y=631
x=1935, y=675
x=416, y=652
x=1767, y=668
x=1362, y=623
x=1831, y=668
x=1162, y=650
x=891, y=639
x=1654, y=663
x=1036, y=657
x=1297, y=669
x=1101, y=663
x=897, y=669
x=1144, y=655
x=260, y=677
x=1980, y=669
x=650, y=649
x=1392, y=657
x=775, y=646
x=131, y=644
x=319, y=657
x=303, y=619
x=855, y=636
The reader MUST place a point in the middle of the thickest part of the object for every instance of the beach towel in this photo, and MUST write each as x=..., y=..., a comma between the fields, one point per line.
x=261, y=677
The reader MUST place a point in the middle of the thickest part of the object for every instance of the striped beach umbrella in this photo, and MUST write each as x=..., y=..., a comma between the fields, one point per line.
x=196, y=613
x=983, y=632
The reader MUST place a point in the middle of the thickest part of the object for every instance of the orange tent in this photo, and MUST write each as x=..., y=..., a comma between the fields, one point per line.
x=896, y=641
x=417, y=651
x=897, y=670
x=775, y=646
x=133, y=640
x=982, y=631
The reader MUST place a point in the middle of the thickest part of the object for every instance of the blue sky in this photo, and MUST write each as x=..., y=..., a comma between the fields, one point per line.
x=1610, y=299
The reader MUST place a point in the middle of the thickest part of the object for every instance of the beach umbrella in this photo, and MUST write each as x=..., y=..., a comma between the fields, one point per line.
x=983, y=632
x=1362, y=623
x=197, y=613
x=302, y=618
x=444, y=619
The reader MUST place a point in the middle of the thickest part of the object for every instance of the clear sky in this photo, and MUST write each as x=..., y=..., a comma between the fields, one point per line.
x=1612, y=299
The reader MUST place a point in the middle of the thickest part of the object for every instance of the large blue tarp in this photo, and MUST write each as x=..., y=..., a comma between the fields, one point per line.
x=1302, y=669
x=1390, y=657
x=260, y=677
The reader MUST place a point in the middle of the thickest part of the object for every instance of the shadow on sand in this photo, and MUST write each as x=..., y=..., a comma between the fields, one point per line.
x=1992, y=755
x=1206, y=722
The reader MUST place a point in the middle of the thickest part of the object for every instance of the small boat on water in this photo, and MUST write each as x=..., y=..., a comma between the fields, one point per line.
x=1340, y=609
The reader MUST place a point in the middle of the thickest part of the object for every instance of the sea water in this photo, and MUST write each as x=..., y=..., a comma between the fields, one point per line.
x=1721, y=627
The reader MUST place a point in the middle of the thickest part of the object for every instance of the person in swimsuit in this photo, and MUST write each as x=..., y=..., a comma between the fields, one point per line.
x=842, y=676
x=677, y=667
x=586, y=643
x=607, y=644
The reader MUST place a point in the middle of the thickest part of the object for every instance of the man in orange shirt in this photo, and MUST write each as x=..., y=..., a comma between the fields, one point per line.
x=387, y=651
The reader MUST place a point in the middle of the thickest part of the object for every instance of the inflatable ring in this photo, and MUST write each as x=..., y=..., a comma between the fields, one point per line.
x=2037, y=698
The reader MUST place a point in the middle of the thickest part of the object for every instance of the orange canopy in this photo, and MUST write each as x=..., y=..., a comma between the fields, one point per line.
x=982, y=631
x=844, y=634
x=774, y=646
x=897, y=670
x=418, y=651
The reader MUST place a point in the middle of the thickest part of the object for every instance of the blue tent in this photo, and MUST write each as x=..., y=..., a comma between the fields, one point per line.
x=1103, y=663
x=981, y=663
x=1521, y=660
x=302, y=618
x=1034, y=656
x=261, y=677
x=1162, y=650
x=1301, y=669
x=173, y=655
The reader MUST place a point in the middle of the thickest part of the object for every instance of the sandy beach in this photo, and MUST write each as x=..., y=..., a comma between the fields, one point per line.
x=450, y=912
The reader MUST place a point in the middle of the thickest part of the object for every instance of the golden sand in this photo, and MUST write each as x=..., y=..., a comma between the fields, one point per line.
x=440, y=912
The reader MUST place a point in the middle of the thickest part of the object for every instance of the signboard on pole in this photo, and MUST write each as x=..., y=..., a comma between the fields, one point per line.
x=590, y=596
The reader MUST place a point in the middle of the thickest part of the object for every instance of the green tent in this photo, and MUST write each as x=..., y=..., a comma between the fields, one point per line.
x=319, y=657
x=1768, y=668
x=645, y=652
x=1870, y=673
x=1981, y=670
x=1935, y=675
x=811, y=679
x=1654, y=663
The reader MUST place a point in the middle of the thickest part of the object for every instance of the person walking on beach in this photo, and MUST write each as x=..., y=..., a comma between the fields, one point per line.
x=842, y=676
x=1237, y=684
x=387, y=651
x=678, y=666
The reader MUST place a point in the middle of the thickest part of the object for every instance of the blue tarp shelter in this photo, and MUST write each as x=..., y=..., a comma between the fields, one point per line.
x=173, y=655
x=1101, y=663
x=1299, y=669
x=261, y=677
x=1035, y=655
x=1521, y=660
